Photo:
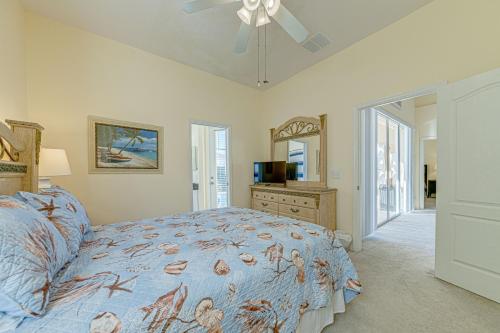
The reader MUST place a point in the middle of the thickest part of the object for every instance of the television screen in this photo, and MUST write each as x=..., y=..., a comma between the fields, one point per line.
x=270, y=172
x=292, y=171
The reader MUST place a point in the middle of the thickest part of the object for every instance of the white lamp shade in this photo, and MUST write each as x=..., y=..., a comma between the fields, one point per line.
x=272, y=6
x=245, y=15
x=262, y=18
x=53, y=162
x=251, y=5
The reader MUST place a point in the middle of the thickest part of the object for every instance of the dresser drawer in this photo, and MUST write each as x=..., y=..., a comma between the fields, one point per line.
x=265, y=196
x=265, y=205
x=298, y=212
x=272, y=212
x=298, y=218
x=294, y=200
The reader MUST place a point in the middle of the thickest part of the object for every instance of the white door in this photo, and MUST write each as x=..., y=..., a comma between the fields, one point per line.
x=218, y=167
x=468, y=203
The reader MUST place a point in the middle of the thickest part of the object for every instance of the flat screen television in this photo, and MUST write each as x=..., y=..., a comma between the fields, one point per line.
x=292, y=171
x=270, y=172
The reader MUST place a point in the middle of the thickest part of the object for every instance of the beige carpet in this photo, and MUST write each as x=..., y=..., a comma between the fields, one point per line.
x=400, y=291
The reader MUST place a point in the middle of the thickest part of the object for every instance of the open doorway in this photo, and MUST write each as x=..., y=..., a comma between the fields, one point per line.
x=398, y=165
x=460, y=247
x=430, y=173
x=210, y=166
x=426, y=157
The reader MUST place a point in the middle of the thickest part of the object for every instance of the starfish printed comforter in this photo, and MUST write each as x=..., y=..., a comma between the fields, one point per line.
x=228, y=270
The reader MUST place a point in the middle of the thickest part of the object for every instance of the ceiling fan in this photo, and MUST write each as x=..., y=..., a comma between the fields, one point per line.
x=258, y=12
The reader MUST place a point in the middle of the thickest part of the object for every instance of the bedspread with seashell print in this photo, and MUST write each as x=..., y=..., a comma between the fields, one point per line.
x=227, y=270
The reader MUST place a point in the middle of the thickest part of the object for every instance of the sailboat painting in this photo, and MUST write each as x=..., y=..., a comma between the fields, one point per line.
x=124, y=147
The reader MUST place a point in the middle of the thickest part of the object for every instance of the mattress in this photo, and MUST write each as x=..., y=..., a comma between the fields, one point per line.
x=317, y=320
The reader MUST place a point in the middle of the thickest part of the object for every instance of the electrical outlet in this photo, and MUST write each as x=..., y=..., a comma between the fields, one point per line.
x=335, y=173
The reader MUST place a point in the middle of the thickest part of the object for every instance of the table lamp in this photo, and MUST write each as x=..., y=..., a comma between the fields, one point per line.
x=53, y=162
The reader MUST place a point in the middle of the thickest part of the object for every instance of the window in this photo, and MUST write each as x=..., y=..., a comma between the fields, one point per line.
x=393, y=168
x=222, y=178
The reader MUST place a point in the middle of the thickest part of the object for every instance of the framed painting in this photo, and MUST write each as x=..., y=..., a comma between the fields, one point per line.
x=124, y=147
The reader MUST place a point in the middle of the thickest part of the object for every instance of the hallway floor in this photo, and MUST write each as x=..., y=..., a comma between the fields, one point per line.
x=401, y=293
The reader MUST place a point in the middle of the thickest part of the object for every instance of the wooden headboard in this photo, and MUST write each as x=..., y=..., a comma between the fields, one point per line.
x=19, y=156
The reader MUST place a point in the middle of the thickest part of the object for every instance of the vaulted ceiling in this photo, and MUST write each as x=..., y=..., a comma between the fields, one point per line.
x=205, y=40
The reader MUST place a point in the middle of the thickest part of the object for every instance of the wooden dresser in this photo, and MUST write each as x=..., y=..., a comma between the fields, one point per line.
x=311, y=205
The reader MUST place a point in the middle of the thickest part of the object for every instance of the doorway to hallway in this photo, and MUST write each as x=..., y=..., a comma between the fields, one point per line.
x=429, y=164
x=398, y=167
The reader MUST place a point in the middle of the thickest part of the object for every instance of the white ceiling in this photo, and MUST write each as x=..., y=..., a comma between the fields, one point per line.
x=206, y=40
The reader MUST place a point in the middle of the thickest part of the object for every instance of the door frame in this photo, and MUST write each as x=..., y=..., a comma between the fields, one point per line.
x=359, y=193
x=421, y=176
x=229, y=156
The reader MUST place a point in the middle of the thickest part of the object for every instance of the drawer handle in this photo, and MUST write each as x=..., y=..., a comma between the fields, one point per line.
x=265, y=204
x=295, y=210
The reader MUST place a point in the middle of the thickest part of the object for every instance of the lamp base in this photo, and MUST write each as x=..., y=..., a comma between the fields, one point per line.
x=44, y=182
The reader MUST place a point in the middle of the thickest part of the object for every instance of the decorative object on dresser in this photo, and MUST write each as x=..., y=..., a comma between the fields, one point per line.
x=124, y=147
x=53, y=162
x=317, y=206
x=301, y=142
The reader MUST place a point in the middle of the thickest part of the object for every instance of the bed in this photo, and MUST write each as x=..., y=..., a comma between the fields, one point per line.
x=226, y=270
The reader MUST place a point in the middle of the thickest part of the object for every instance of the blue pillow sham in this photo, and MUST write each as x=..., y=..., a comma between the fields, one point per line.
x=65, y=211
x=32, y=252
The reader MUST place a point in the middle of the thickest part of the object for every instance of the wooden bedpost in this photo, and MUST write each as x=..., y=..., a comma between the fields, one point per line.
x=30, y=135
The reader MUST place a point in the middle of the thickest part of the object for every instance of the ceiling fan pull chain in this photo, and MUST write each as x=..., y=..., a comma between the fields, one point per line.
x=265, y=55
x=258, y=57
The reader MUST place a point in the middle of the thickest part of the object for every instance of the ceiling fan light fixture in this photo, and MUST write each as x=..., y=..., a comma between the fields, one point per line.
x=251, y=5
x=245, y=15
x=262, y=18
x=272, y=6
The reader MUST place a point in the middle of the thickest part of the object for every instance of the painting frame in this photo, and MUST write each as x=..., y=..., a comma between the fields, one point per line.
x=96, y=164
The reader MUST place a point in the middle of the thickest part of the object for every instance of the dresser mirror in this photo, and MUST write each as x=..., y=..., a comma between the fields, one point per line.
x=301, y=142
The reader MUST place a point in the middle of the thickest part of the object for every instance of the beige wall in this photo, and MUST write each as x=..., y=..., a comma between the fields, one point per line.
x=73, y=74
x=426, y=121
x=430, y=158
x=425, y=128
x=445, y=40
x=12, y=61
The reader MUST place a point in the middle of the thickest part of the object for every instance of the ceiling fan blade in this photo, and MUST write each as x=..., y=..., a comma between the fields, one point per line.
x=291, y=25
x=199, y=5
x=243, y=38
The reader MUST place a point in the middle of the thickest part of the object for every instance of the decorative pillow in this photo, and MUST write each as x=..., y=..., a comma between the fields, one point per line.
x=32, y=252
x=64, y=211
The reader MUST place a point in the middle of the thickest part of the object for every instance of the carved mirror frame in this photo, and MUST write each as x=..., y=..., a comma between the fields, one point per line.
x=300, y=127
